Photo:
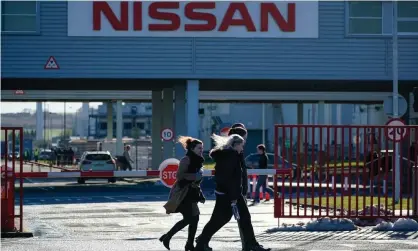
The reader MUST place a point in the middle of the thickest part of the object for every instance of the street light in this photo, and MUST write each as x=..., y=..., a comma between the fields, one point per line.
x=395, y=94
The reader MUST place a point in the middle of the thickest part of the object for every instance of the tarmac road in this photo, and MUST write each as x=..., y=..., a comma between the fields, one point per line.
x=125, y=216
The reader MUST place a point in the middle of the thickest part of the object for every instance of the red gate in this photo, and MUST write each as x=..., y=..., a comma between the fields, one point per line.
x=12, y=158
x=347, y=171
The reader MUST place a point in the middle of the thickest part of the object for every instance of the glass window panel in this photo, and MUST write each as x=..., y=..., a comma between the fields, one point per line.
x=365, y=26
x=365, y=9
x=18, y=7
x=408, y=9
x=19, y=23
x=408, y=26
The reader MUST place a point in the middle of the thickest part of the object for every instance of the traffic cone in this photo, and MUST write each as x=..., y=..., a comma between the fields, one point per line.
x=267, y=196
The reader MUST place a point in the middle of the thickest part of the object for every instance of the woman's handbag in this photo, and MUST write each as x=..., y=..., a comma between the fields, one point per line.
x=195, y=194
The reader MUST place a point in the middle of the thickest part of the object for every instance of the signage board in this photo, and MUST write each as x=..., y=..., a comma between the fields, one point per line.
x=281, y=19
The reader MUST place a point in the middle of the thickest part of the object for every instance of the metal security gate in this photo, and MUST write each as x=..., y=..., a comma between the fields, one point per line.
x=11, y=163
x=347, y=171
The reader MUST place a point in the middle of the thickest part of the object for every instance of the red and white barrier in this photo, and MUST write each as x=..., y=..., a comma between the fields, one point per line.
x=131, y=174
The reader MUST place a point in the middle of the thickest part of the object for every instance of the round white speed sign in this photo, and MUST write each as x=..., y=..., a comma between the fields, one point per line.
x=394, y=131
x=167, y=134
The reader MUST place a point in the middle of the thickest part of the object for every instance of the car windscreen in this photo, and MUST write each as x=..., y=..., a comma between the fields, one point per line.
x=98, y=157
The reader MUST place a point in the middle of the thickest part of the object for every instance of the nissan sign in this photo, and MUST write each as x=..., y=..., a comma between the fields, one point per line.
x=282, y=19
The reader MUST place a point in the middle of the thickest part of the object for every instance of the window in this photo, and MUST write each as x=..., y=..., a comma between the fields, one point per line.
x=127, y=126
x=376, y=18
x=98, y=157
x=19, y=16
x=365, y=17
x=103, y=126
x=408, y=17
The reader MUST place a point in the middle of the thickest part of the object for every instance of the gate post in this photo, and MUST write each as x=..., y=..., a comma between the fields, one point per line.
x=7, y=200
x=414, y=190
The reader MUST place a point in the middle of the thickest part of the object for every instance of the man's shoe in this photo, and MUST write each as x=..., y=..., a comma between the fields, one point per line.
x=201, y=246
x=257, y=248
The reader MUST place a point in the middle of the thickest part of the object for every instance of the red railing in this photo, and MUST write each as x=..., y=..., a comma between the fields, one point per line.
x=347, y=171
x=12, y=159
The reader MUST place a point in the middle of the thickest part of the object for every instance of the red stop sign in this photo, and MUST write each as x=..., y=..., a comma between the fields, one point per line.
x=168, y=175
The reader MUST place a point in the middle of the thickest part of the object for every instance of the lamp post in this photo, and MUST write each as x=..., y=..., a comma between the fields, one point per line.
x=395, y=94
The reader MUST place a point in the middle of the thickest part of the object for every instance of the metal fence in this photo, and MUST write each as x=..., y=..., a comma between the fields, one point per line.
x=371, y=182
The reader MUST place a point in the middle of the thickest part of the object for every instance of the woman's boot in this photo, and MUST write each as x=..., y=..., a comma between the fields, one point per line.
x=189, y=246
x=165, y=239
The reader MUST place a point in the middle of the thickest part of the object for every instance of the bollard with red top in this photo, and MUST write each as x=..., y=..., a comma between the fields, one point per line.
x=7, y=200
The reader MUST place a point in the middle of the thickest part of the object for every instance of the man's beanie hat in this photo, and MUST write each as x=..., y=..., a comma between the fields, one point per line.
x=237, y=130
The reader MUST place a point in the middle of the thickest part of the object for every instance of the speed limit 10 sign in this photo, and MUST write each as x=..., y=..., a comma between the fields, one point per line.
x=396, y=131
x=167, y=134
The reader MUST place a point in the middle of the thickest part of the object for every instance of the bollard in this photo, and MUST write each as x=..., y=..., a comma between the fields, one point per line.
x=253, y=187
x=7, y=200
x=415, y=191
x=31, y=167
x=277, y=206
x=248, y=188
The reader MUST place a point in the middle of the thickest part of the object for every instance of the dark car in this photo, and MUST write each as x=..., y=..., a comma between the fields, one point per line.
x=252, y=161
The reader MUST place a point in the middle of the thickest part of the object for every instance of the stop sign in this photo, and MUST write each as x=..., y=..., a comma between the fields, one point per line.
x=168, y=170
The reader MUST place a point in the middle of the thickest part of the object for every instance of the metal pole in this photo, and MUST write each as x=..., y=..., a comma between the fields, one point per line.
x=65, y=119
x=263, y=123
x=44, y=109
x=395, y=96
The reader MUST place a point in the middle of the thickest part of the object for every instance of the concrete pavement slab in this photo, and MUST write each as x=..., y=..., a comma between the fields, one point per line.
x=128, y=223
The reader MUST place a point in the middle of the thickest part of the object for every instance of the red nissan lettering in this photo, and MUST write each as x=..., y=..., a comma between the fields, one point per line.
x=229, y=20
x=121, y=24
x=191, y=13
x=155, y=13
x=137, y=16
x=271, y=9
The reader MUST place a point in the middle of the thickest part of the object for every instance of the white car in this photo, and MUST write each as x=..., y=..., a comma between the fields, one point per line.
x=96, y=162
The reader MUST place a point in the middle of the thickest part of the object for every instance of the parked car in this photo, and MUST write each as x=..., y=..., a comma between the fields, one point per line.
x=96, y=162
x=251, y=161
x=45, y=155
x=16, y=156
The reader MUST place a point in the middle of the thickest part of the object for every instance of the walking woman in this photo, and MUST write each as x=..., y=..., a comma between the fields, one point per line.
x=228, y=178
x=186, y=192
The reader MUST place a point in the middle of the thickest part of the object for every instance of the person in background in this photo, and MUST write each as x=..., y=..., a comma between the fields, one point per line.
x=71, y=156
x=373, y=155
x=186, y=192
x=262, y=180
x=26, y=157
x=128, y=158
x=36, y=154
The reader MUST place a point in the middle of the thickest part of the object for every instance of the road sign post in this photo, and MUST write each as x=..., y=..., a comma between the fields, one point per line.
x=396, y=132
x=168, y=172
x=167, y=134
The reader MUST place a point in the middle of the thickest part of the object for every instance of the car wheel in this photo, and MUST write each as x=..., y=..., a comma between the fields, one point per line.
x=112, y=180
x=81, y=181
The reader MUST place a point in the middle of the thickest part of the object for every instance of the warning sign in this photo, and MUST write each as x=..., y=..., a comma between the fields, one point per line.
x=51, y=64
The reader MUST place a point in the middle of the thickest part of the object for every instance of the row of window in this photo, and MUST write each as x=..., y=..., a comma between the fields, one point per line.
x=375, y=18
x=364, y=17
